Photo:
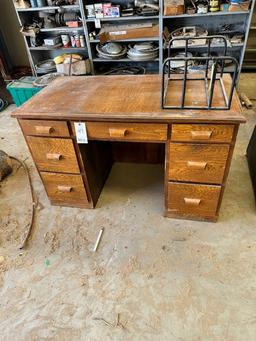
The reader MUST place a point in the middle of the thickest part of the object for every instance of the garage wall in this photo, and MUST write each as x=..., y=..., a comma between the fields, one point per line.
x=9, y=26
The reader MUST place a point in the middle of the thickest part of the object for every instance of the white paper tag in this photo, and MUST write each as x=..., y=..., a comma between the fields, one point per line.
x=81, y=133
x=97, y=23
x=117, y=33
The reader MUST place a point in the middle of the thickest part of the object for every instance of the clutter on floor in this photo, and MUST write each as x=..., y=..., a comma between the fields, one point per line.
x=5, y=165
x=6, y=168
x=3, y=104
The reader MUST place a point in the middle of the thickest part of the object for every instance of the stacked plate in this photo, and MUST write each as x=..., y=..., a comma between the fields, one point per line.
x=111, y=50
x=46, y=79
x=46, y=66
x=178, y=65
x=143, y=51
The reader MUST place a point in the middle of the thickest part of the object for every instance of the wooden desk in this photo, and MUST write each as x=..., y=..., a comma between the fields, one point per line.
x=125, y=123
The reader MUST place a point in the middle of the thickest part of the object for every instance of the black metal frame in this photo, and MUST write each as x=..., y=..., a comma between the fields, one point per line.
x=215, y=75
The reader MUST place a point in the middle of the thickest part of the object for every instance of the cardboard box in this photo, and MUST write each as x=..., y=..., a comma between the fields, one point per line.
x=131, y=31
x=174, y=7
x=115, y=11
x=107, y=10
x=73, y=23
x=98, y=8
x=90, y=12
x=236, y=7
x=52, y=41
x=80, y=67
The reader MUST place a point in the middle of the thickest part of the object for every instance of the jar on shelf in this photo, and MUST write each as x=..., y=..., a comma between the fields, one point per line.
x=82, y=41
x=65, y=40
x=73, y=41
x=77, y=38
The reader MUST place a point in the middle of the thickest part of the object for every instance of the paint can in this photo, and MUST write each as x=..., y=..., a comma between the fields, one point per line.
x=73, y=41
x=82, y=41
x=65, y=40
x=77, y=39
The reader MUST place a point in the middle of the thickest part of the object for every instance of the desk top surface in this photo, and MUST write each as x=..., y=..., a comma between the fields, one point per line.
x=119, y=98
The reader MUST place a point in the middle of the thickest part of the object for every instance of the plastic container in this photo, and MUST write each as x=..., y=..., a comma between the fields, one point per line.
x=22, y=90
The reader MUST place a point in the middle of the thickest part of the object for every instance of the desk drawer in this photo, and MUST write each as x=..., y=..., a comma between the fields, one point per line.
x=44, y=128
x=126, y=131
x=193, y=200
x=65, y=189
x=53, y=154
x=202, y=132
x=197, y=162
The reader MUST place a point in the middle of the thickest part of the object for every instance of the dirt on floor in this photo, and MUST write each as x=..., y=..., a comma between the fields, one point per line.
x=152, y=278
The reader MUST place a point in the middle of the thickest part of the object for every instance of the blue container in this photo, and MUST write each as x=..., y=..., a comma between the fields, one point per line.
x=22, y=90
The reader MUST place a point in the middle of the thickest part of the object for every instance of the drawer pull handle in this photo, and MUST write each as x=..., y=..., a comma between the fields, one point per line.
x=52, y=156
x=196, y=165
x=44, y=129
x=117, y=132
x=65, y=189
x=192, y=201
x=201, y=135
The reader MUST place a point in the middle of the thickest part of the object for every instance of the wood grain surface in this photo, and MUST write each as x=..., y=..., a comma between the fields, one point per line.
x=199, y=201
x=112, y=131
x=44, y=149
x=44, y=128
x=126, y=110
x=203, y=163
x=209, y=133
x=120, y=98
x=65, y=189
x=195, y=94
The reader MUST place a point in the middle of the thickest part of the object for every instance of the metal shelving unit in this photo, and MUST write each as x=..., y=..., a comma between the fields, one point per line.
x=250, y=50
x=122, y=60
x=232, y=46
x=128, y=40
x=211, y=21
x=132, y=18
x=49, y=48
x=39, y=53
x=62, y=29
x=150, y=65
x=209, y=14
x=46, y=8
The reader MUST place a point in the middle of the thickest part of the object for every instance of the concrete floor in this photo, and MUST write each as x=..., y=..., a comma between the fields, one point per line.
x=168, y=279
